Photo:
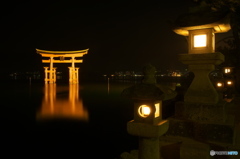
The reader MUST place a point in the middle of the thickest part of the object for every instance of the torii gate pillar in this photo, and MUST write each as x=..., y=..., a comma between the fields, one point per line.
x=73, y=75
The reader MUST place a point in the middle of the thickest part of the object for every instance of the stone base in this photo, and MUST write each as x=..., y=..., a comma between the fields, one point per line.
x=198, y=128
x=194, y=149
x=182, y=148
x=172, y=147
x=212, y=133
x=210, y=113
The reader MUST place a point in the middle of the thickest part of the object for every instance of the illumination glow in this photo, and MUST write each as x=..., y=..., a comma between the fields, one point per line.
x=219, y=84
x=200, y=40
x=157, y=106
x=229, y=82
x=227, y=70
x=144, y=110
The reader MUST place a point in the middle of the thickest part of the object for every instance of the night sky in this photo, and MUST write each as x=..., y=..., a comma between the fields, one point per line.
x=121, y=35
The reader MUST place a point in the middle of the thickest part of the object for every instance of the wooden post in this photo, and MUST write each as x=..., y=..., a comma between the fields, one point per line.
x=77, y=68
x=73, y=69
x=54, y=75
x=46, y=74
x=70, y=74
x=51, y=70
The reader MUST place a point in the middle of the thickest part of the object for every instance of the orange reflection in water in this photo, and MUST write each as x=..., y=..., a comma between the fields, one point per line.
x=56, y=105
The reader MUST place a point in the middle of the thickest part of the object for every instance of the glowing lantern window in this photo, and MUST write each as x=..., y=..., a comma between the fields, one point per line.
x=229, y=82
x=157, y=112
x=200, y=40
x=144, y=110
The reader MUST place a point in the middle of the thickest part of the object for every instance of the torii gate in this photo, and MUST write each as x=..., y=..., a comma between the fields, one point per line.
x=50, y=74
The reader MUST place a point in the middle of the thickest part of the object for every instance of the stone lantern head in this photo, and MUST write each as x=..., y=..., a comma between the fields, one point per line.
x=201, y=28
x=147, y=98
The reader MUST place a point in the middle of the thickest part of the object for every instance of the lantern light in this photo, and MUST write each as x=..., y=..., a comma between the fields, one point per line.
x=227, y=70
x=200, y=40
x=144, y=111
x=219, y=84
x=229, y=82
x=157, y=112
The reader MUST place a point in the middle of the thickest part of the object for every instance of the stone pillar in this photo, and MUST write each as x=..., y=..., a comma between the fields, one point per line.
x=201, y=89
x=149, y=148
x=148, y=137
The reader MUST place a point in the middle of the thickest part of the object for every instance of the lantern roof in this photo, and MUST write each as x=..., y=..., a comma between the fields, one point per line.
x=219, y=21
x=143, y=92
x=147, y=90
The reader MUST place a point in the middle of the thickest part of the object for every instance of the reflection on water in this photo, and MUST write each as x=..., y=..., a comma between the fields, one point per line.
x=62, y=102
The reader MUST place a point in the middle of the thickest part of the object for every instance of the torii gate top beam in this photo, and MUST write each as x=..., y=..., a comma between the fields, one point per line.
x=77, y=53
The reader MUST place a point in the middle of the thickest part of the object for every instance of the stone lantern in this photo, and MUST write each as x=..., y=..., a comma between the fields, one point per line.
x=202, y=58
x=202, y=120
x=147, y=123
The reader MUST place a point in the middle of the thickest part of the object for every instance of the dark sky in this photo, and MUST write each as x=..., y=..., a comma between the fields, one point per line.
x=120, y=35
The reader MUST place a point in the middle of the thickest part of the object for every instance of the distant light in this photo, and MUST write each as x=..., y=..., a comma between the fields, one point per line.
x=219, y=84
x=104, y=75
x=200, y=40
x=227, y=70
x=229, y=82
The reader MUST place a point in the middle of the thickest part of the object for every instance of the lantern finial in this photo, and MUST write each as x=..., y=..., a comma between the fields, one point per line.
x=149, y=74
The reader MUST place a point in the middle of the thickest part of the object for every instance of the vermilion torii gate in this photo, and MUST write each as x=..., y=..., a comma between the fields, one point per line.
x=50, y=72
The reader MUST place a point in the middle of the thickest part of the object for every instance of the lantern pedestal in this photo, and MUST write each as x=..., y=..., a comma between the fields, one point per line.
x=148, y=137
x=201, y=89
x=147, y=130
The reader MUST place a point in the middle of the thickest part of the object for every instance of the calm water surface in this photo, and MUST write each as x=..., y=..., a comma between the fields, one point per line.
x=84, y=120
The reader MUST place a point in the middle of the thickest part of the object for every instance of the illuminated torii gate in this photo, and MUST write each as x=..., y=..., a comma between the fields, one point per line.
x=50, y=74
